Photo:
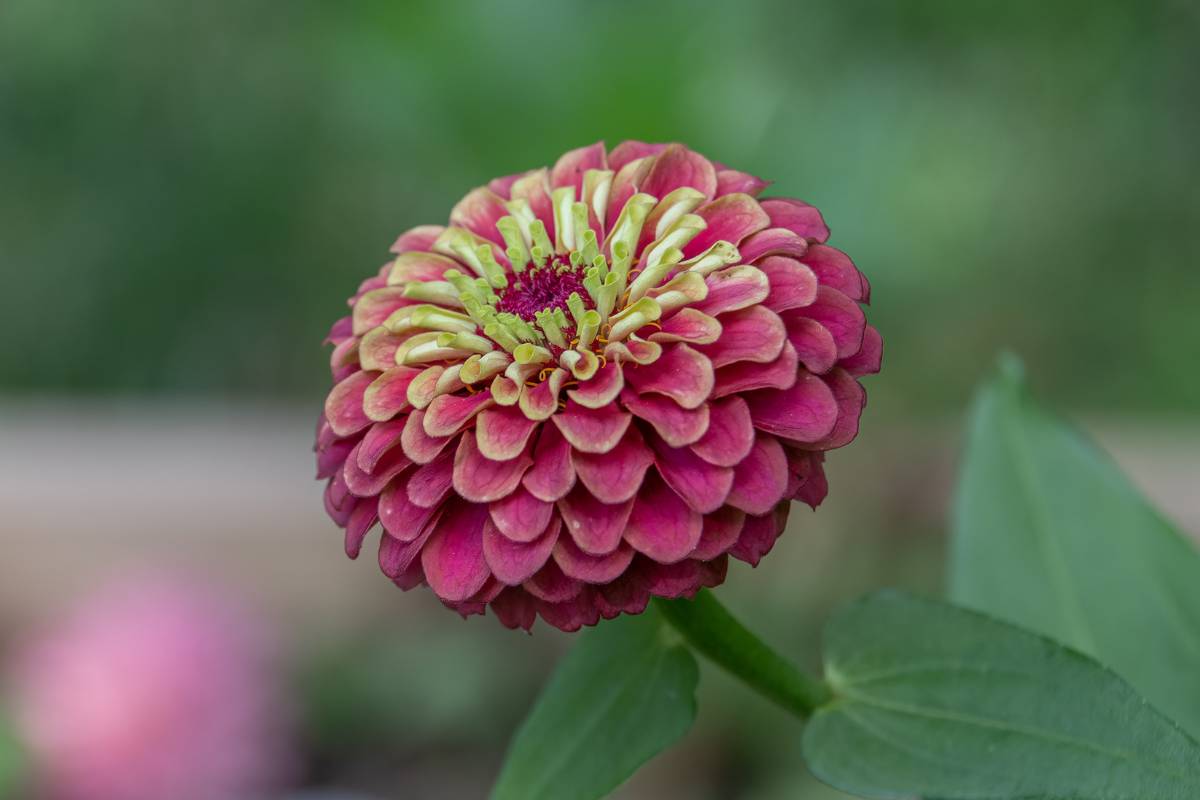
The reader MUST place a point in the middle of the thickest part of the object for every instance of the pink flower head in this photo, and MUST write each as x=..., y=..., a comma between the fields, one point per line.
x=596, y=384
x=151, y=689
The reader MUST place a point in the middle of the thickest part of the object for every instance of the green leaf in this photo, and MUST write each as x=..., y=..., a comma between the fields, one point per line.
x=938, y=701
x=1049, y=534
x=622, y=695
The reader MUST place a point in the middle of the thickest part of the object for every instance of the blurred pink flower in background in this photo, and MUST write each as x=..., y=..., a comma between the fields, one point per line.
x=153, y=688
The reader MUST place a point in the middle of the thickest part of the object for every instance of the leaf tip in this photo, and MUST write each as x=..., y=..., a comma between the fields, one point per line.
x=1010, y=369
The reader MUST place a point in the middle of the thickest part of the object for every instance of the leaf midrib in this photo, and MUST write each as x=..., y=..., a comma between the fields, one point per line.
x=944, y=715
x=1023, y=464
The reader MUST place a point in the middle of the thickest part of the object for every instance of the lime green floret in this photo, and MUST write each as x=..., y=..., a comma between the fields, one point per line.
x=612, y=297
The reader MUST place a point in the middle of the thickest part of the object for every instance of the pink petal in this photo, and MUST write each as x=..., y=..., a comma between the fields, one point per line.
x=813, y=342
x=520, y=516
x=478, y=213
x=377, y=351
x=721, y=530
x=364, y=484
x=633, y=351
x=592, y=430
x=380, y=437
x=743, y=376
x=601, y=389
x=615, y=476
x=552, y=474
x=731, y=219
x=503, y=185
x=534, y=188
x=387, y=395
x=761, y=479
x=730, y=181
x=502, y=432
x=370, y=284
x=482, y=480
x=571, y=615
x=449, y=413
x=340, y=331
x=541, y=401
x=344, y=360
x=681, y=579
x=867, y=360
x=453, y=557
x=851, y=398
x=344, y=405
x=834, y=269
x=512, y=562
x=419, y=445
x=733, y=288
x=551, y=585
x=401, y=517
x=625, y=184
x=372, y=308
x=569, y=169
x=688, y=325
x=325, y=435
x=362, y=519
x=338, y=494
x=676, y=425
x=808, y=470
x=772, y=241
x=419, y=265
x=678, y=166
x=799, y=217
x=339, y=503
x=396, y=558
x=730, y=434
x=506, y=391
x=423, y=387
x=631, y=150
x=682, y=373
x=515, y=608
x=662, y=526
x=429, y=484
x=702, y=485
x=411, y=576
x=595, y=526
x=421, y=237
x=626, y=595
x=758, y=536
x=793, y=285
x=752, y=334
x=842, y=316
x=588, y=568
x=804, y=413
x=331, y=458
x=478, y=602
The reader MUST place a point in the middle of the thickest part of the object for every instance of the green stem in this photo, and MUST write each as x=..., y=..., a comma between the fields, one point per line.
x=713, y=631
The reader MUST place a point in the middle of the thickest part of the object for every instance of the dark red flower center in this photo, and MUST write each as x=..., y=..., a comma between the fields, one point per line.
x=543, y=288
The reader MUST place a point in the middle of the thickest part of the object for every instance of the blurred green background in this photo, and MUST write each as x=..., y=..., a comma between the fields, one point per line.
x=188, y=192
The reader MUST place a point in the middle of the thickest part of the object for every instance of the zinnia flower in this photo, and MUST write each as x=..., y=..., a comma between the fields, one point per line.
x=153, y=688
x=596, y=384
